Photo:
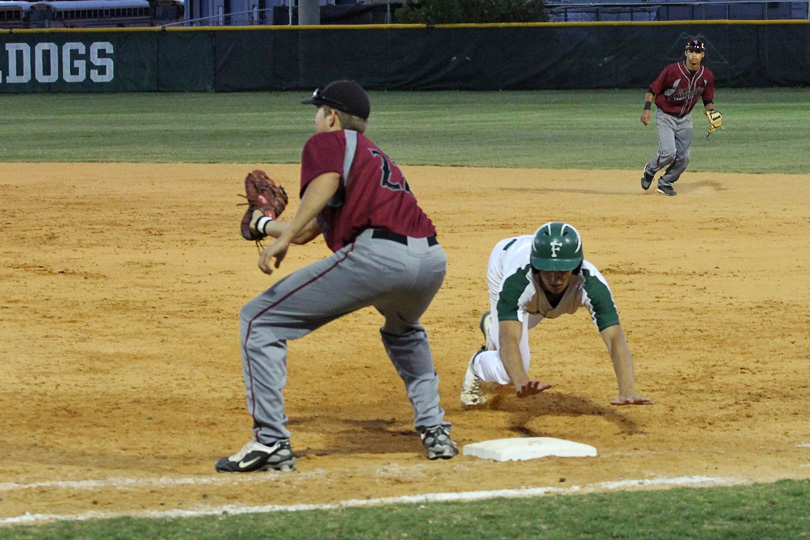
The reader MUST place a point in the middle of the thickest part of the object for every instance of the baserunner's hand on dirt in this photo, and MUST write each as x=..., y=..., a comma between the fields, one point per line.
x=531, y=388
x=632, y=400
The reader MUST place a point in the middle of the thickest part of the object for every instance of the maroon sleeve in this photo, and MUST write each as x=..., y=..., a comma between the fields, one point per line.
x=323, y=153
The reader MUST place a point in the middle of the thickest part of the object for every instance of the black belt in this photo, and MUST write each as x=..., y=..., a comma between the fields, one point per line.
x=402, y=239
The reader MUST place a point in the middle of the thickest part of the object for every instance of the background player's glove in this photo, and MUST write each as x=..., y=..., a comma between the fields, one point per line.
x=715, y=121
x=263, y=194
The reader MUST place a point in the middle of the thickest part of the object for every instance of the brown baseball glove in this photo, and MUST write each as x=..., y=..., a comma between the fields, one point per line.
x=262, y=194
x=715, y=121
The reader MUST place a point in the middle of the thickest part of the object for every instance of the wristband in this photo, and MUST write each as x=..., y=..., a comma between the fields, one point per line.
x=262, y=224
x=647, y=105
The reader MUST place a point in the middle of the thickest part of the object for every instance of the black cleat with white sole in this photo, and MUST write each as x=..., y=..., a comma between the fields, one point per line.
x=255, y=456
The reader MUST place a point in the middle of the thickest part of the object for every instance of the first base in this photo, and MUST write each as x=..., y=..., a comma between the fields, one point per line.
x=520, y=448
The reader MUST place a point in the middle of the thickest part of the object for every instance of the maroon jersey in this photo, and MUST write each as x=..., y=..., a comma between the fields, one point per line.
x=373, y=193
x=677, y=90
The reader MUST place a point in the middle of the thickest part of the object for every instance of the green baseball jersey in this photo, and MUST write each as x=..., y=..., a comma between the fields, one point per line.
x=521, y=291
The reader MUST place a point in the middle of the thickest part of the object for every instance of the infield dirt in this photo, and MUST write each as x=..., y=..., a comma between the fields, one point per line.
x=121, y=381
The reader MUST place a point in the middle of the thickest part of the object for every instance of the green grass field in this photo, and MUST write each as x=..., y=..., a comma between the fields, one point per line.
x=766, y=132
x=757, y=512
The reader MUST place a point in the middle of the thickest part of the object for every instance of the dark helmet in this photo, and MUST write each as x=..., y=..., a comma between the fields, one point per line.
x=556, y=246
x=695, y=45
x=342, y=95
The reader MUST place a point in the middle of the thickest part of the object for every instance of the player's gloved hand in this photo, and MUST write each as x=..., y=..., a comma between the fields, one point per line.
x=258, y=223
x=531, y=388
x=632, y=400
x=715, y=121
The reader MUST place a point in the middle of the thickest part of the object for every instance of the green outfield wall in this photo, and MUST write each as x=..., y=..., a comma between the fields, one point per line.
x=398, y=57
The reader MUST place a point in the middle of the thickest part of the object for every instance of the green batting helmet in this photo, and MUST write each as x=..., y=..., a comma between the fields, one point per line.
x=556, y=246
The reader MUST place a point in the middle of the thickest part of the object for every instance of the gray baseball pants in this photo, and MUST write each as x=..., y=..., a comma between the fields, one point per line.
x=398, y=280
x=674, y=147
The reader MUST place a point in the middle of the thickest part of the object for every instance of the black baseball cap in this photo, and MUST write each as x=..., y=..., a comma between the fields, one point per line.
x=346, y=96
x=695, y=45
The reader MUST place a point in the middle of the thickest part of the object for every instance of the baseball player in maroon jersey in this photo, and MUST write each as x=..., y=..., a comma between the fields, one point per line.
x=676, y=91
x=385, y=255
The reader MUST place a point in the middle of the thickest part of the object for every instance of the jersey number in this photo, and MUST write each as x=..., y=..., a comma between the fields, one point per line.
x=386, y=171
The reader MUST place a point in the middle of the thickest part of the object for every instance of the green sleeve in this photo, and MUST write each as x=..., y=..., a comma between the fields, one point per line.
x=600, y=301
x=513, y=288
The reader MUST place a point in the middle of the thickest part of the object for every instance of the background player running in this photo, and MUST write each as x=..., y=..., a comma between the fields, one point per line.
x=676, y=91
x=385, y=255
x=536, y=277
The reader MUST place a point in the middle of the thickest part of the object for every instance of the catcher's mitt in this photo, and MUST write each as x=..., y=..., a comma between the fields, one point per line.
x=715, y=121
x=263, y=194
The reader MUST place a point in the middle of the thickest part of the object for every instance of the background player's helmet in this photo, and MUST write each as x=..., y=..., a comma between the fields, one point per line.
x=695, y=45
x=556, y=246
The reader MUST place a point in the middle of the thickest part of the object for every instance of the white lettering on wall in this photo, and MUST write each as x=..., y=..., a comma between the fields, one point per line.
x=39, y=62
x=48, y=63
x=105, y=62
x=18, y=72
x=73, y=68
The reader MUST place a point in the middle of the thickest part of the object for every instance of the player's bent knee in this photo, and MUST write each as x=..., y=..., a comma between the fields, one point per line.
x=666, y=159
x=249, y=311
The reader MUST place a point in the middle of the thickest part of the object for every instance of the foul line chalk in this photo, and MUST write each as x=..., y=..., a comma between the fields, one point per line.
x=353, y=503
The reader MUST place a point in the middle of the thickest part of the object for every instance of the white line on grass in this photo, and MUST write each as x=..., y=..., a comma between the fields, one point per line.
x=409, y=499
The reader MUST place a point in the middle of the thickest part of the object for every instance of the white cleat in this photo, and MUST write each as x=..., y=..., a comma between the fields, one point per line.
x=472, y=390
